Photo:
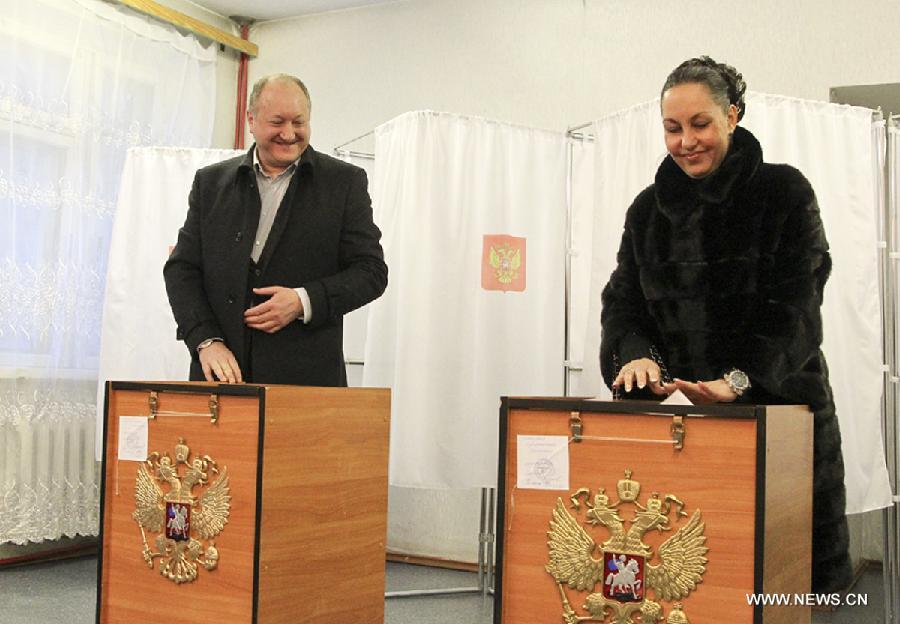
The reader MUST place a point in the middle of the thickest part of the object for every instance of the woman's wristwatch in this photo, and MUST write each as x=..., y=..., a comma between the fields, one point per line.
x=738, y=381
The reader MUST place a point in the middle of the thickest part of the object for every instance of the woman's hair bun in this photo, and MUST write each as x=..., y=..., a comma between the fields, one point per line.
x=726, y=83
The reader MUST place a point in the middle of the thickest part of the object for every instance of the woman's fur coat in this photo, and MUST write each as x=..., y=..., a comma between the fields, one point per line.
x=728, y=272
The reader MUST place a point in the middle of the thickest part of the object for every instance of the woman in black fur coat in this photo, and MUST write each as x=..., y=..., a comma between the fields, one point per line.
x=720, y=276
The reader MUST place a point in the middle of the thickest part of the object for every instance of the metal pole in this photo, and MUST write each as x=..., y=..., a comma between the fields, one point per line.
x=342, y=153
x=891, y=525
x=884, y=279
x=353, y=140
x=489, y=586
x=568, y=278
x=572, y=135
x=482, y=531
x=887, y=226
x=581, y=126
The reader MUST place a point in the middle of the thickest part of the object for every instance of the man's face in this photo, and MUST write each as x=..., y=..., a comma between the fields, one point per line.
x=280, y=124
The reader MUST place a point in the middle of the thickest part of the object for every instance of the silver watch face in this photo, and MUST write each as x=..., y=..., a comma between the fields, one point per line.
x=738, y=380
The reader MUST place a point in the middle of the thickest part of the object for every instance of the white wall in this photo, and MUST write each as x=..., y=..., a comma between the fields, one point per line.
x=555, y=63
x=226, y=98
x=551, y=64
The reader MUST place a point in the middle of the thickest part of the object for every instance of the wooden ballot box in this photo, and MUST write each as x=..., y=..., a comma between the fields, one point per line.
x=243, y=504
x=634, y=511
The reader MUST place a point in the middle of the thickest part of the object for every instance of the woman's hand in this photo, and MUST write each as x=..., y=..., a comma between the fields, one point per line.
x=716, y=391
x=640, y=373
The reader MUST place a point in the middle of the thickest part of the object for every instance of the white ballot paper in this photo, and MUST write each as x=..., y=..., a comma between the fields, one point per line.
x=542, y=462
x=677, y=398
x=133, y=438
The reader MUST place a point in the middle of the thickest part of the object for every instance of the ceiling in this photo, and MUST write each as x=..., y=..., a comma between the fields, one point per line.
x=261, y=10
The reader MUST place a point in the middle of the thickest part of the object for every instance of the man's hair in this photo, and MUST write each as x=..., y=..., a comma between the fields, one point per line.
x=262, y=82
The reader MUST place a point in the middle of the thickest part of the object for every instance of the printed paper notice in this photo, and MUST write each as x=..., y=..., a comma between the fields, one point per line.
x=133, y=438
x=543, y=462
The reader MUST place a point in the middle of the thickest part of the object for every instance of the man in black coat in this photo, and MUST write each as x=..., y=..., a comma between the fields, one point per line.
x=277, y=246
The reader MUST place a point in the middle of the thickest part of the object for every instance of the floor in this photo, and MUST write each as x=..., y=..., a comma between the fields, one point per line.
x=65, y=592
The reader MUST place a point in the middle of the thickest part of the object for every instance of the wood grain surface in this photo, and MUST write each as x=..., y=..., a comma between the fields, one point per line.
x=130, y=591
x=324, y=513
x=788, y=538
x=715, y=473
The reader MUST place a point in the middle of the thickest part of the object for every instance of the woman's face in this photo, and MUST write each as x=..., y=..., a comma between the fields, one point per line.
x=697, y=130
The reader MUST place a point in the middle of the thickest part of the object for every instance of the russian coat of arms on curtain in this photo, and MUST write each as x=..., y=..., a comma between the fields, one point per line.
x=503, y=263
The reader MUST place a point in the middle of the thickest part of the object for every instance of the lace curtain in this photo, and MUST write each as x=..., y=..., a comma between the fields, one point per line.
x=81, y=81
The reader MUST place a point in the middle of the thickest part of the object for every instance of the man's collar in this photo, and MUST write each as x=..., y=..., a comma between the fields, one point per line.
x=307, y=159
x=289, y=170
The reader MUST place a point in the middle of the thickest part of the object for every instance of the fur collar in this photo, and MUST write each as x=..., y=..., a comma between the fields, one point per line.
x=675, y=188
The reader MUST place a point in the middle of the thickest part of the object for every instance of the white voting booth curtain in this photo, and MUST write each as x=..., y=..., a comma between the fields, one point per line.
x=460, y=325
x=138, y=337
x=356, y=321
x=81, y=82
x=834, y=147
x=435, y=523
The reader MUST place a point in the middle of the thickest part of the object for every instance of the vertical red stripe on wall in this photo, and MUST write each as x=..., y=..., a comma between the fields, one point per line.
x=241, y=108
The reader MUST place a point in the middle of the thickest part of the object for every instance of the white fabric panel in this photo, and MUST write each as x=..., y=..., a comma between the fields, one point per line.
x=422, y=522
x=581, y=230
x=434, y=523
x=138, y=332
x=446, y=347
x=628, y=148
x=355, y=322
x=833, y=146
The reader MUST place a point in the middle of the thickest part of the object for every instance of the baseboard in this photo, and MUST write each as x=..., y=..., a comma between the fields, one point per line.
x=860, y=569
x=434, y=562
x=49, y=551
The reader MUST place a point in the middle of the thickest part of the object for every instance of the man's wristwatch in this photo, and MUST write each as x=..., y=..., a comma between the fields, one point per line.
x=738, y=381
x=206, y=343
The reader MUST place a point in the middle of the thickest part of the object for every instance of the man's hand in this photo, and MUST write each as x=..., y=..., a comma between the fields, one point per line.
x=283, y=308
x=218, y=362
x=716, y=391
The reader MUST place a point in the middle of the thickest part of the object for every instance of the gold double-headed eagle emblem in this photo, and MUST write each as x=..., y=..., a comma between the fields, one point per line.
x=623, y=567
x=506, y=261
x=177, y=515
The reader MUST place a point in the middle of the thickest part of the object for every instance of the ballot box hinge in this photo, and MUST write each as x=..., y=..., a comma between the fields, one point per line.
x=678, y=432
x=576, y=426
x=153, y=402
x=214, y=408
